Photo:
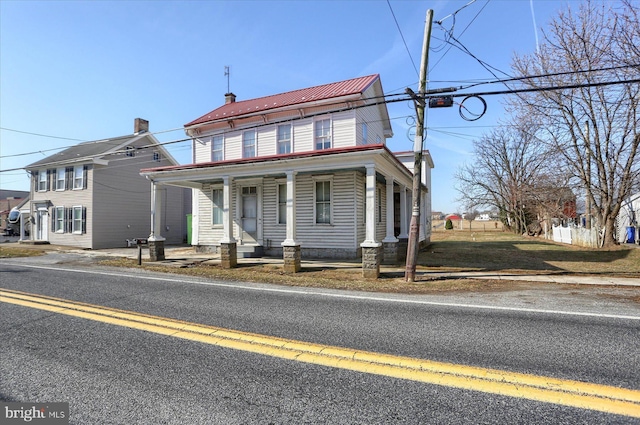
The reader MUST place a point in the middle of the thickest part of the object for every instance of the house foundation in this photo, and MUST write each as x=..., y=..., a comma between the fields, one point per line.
x=292, y=258
x=229, y=255
x=403, y=243
x=371, y=257
x=390, y=250
x=156, y=250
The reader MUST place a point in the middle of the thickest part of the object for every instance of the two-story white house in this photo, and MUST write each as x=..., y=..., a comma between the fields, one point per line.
x=304, y=173
x=92, y=196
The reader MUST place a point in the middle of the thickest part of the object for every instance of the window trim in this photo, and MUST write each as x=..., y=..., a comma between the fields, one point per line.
x=281, y=219
x=287, y=143
x=328, y=138
x=43, y=179
x=59, y=219
x=221, y=150
x=63, y=180
x=254, y=145
x=76, y=179
x=322, y=179
x=215, y=207
x=74, y=229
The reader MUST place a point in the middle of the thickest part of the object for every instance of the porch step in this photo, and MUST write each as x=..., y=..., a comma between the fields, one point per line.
x=250, y=251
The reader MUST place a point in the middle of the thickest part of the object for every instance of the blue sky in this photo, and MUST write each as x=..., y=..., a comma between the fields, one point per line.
x=83, y=70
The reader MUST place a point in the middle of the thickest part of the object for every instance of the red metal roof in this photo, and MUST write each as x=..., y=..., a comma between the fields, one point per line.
x=296, y=97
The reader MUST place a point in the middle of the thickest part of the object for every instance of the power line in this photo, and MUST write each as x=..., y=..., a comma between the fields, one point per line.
x=402, y=36
x=384, y=101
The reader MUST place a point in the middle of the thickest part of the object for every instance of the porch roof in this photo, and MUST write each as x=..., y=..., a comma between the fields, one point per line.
x=323, y=160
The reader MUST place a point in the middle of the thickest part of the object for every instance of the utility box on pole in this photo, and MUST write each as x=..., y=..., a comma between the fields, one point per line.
x=414, y=227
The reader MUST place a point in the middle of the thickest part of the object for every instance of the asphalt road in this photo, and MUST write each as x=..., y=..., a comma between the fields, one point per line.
x=114, y=374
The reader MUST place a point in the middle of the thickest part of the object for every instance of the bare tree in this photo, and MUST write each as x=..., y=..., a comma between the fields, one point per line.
x=507, y=164
x=594, y=129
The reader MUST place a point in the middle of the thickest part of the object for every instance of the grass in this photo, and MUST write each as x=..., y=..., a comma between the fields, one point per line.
x=460, y=250
x=506, y=252
x=13, y=252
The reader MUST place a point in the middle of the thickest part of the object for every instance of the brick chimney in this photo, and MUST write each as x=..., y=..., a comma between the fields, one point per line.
x=140, y=126
x=229, y=98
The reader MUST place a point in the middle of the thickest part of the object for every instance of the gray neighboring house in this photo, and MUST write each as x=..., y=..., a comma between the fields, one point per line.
x=92, y=196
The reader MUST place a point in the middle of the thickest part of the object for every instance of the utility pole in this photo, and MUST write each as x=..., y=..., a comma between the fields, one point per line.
x=414, y=228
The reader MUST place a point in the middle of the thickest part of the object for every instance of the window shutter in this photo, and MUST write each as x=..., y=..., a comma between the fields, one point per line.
x=68, y=178
x=84, y=176
x=52, y=229
x=36, y=175
x=68, y=222
x=84, y=220
x=51, y=179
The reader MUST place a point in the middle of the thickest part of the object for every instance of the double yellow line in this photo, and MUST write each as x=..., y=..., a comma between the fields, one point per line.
x=583, y=395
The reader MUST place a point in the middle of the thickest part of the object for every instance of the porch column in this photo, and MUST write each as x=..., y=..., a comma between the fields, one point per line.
x=403, y=237
x=156, y=241
x=390, y=242
x=22, y=229
x=228, y=245
x=370, y=248
x=290, y=247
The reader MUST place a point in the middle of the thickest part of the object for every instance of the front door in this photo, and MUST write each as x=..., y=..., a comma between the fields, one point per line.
x=249, y=214
x=42, y=229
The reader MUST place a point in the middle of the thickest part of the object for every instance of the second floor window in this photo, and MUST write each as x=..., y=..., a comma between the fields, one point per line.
x=323, y=134
x=42, y=181
x=78, y=177
x=60, y=178
x=284, y=138
x=217, y=154
x=249, y=144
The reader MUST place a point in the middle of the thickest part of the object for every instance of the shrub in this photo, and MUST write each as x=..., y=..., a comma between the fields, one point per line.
x=449, y=224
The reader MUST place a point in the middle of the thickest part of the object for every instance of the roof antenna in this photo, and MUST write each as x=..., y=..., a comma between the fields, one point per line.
x=227, y=74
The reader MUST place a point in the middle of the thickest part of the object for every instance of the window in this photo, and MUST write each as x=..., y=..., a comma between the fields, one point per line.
x=365, y=130
x=323, y=202
x=217, y=154
x=249, y=144
x=78, y=177
x=156, y=156
x=130, y=151
x=42, y=181
x=217, y=206
x=379, y=202
x=60, y=178
x=58, y=219
x=284, y=138
x=282, y=203
x=323, y=134
x=78, y=220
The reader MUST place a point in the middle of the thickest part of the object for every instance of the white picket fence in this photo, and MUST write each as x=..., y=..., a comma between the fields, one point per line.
x=576, y=236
